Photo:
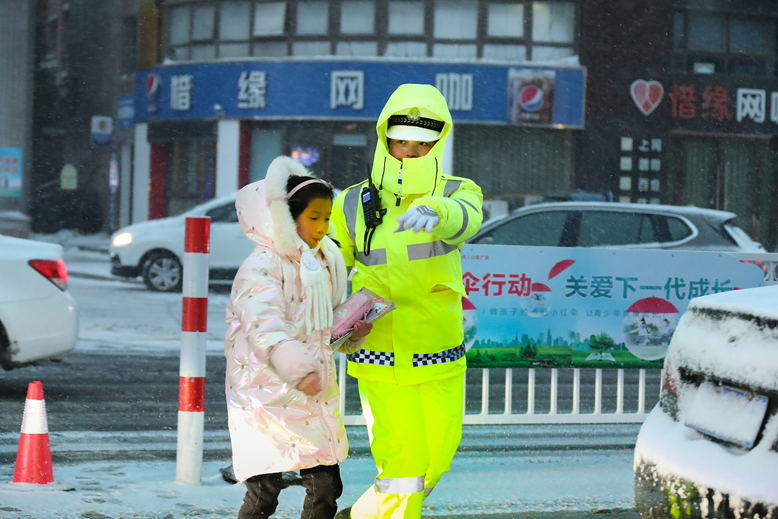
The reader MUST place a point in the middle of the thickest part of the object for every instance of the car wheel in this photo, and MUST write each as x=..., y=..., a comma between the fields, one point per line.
x=5, y=349
x=162, y=272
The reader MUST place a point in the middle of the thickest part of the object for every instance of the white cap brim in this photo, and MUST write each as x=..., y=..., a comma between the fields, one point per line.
x=411, y=133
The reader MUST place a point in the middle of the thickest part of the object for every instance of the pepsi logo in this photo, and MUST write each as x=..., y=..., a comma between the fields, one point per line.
x=152, y=85
x=530, y=98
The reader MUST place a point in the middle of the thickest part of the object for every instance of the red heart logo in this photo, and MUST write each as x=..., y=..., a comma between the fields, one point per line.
x=646, y=94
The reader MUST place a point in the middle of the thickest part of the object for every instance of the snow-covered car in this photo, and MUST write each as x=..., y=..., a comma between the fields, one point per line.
x=709, y=448
x=612, y=224
x=154, y=249
x=38, y=316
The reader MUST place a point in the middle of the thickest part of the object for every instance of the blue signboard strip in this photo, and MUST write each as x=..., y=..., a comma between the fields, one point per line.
x=333, y=89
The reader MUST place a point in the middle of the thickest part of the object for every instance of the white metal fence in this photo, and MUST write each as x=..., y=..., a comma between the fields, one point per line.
x=541, y=401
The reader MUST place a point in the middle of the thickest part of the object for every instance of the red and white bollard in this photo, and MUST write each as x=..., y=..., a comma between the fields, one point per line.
x=194, y=326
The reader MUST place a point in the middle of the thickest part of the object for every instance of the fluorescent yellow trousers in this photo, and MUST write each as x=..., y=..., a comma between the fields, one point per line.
x=414, y=433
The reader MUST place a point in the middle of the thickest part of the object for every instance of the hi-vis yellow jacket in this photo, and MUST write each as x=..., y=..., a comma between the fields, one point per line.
x=421, y=272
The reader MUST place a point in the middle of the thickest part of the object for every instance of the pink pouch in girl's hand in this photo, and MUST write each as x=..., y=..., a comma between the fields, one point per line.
x=349, y=312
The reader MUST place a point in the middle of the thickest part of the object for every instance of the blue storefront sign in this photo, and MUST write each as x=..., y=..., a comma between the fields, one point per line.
x=332, y=89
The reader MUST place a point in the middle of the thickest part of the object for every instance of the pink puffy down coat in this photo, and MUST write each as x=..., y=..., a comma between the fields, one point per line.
x=273, y=426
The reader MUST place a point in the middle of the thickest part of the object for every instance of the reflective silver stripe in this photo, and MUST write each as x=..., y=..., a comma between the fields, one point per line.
x=470, y=204
x=376, y=257
x=465, y=218
x=451, y=186
x=399, y=485
x=419, y=251
x=350, y=207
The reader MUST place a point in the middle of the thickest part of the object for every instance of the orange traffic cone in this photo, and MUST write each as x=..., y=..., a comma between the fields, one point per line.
x=33, y=459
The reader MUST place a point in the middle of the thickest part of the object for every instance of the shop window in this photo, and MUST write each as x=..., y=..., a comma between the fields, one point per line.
x=178, y=31
x=311, y=48
x=406, y=49
x=234, y=21
x=505, y=20
x=270, y=49
x=458, y=29
x=706, y=32
x=312, y=18
x=456, y=19
x=505, y=52
x=541, y=53
x=269, y=18
x=205, y=51
x=453, y=50
x=406, y=18
x=356, y=48
x=751, y=36
x=357, y=17
x=234, y=50
x=723, y=43
x=202, y=22
x=191, y=174
x=553, y=22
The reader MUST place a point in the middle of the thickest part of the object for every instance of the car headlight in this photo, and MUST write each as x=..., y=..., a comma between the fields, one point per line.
x=122, y=239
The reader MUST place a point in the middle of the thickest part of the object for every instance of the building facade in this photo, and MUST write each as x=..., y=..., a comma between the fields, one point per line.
x=16, y=53
x=242, y=82
x=682, y=105
x=672, y=101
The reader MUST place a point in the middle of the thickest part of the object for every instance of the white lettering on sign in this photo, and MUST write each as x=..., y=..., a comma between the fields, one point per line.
x=751, y=104
x=457, y=89
x=347, y=88
x=181, y=92
x=252, y=89
x=774, y=107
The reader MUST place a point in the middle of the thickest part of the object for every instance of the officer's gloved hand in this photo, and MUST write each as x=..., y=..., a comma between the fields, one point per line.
x=418, y=218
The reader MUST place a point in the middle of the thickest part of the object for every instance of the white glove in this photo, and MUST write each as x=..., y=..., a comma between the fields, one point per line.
x=418, y=218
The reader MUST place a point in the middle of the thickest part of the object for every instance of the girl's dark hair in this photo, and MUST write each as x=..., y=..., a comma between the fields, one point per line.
x=303, y=197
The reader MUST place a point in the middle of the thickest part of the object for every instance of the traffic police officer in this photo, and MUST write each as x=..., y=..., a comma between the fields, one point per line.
x=402, y=230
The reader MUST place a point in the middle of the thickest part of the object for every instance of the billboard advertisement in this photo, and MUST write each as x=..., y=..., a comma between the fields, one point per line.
x=577, y=307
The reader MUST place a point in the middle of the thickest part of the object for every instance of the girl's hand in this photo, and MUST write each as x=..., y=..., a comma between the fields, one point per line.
x=310, y=384
x=361, y=328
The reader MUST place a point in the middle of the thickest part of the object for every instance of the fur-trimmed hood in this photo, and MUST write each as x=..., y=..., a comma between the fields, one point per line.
x=263, y=212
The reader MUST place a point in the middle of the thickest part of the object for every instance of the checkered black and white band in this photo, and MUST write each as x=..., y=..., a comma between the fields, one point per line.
x=382, y=358
x=419, y=359
x=428, y=359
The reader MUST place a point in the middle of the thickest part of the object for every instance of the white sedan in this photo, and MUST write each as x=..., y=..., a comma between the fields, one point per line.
x=154, y=249
x=38, y=316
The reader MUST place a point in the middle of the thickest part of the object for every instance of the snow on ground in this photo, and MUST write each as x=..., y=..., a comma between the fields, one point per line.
x=479, y=483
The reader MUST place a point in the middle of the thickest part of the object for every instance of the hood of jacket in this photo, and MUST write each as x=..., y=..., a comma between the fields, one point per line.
x=419, y=175
x=263, y=212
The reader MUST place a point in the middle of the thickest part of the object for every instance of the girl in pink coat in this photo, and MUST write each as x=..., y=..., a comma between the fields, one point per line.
x=281, y=388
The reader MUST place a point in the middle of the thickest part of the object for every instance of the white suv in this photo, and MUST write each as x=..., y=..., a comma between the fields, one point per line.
x=611, y=224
